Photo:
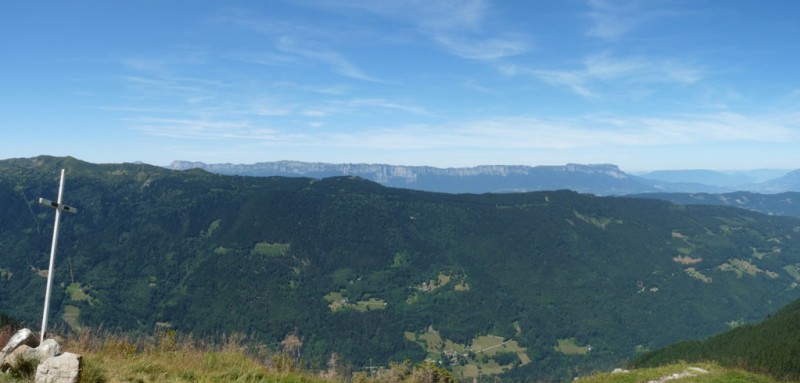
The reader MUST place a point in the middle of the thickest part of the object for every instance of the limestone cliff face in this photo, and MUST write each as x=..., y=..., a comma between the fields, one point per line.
x=600, y=179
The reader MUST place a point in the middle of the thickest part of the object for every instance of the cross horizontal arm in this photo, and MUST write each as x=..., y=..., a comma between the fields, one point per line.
x=56, y=205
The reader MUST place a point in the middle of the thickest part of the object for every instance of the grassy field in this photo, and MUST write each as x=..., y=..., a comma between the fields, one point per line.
x=78, y=293
x=336, y=302
x=270, y=249
x=471, y=360
x=571, y=347
x=71, y=314
x=680, y=373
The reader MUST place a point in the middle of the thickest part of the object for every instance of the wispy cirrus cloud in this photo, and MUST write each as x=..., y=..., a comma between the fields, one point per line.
x=263, y=58
x=603, y=74
x=335, y=60
x=295, y=42
x=197, y=128
x=334, y=90
x=613, y=19
x=530, y=133
x=499, y=133
x=482, y=49
x=362, y=107
x=186, y=89
x=458, y=26
x=441, y=14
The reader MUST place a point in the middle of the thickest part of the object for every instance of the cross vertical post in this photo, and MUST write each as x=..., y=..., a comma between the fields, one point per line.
x=59, y=207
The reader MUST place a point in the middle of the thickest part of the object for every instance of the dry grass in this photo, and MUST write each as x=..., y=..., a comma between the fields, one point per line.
x=171, y=357
x=167, y=356
x=5, y=334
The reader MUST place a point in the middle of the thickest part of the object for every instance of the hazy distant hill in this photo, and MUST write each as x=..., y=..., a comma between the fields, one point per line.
x=717, y=178
x=532, y=285
x=603, y=179
x=787, y=203
x=702, y=176
x=789, y=182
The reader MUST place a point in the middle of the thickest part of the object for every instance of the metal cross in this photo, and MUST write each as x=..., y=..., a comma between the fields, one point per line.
x=59, y=208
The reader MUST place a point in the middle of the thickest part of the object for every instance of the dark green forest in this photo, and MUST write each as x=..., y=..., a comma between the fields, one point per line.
x=375, y=274
x=770, y=347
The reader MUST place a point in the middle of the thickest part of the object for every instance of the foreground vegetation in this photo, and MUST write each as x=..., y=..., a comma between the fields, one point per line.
x=169, y=357
x=681, y=373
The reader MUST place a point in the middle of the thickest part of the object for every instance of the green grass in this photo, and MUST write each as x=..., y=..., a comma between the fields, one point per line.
x=433, y=341
x=600, y=222
x=692, y=272
x=716, y=374
x=337, y=301
x=71, y=314
x=571, y=347
x=211, y=228
x=487, y=344
x=369, y=305
x=476, y=359
x=270, y=249
x=793, y=270
x=77, y=293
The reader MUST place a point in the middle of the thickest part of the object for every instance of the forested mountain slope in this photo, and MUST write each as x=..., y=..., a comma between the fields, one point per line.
x=536, y=285
x=769, y=347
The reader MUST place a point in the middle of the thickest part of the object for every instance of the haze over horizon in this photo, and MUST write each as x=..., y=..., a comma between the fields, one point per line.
x=645, y=85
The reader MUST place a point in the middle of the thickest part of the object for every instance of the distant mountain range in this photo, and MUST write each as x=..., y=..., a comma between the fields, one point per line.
x=733, y=180
x=599, y=179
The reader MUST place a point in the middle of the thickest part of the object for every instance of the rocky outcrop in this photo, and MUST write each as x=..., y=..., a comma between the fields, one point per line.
x=64, y=368
x=53, y=366
x=21, y=337
x=18, y=356
x=18, y=346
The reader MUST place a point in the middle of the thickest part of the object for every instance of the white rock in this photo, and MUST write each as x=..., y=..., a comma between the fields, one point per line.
x=21, y=353
x=48, y=349
x=23, y=336
x=620, y=371
x=64, y=368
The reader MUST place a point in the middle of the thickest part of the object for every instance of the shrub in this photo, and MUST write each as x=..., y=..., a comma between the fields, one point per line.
x=24, y=368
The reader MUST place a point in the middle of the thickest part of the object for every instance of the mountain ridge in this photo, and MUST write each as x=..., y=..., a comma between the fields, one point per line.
x=599, y=179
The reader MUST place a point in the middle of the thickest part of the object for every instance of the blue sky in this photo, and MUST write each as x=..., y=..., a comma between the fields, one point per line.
x=646, y=85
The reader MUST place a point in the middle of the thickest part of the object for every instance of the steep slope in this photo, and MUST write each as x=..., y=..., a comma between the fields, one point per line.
x=769, y=347
x=533, y=285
